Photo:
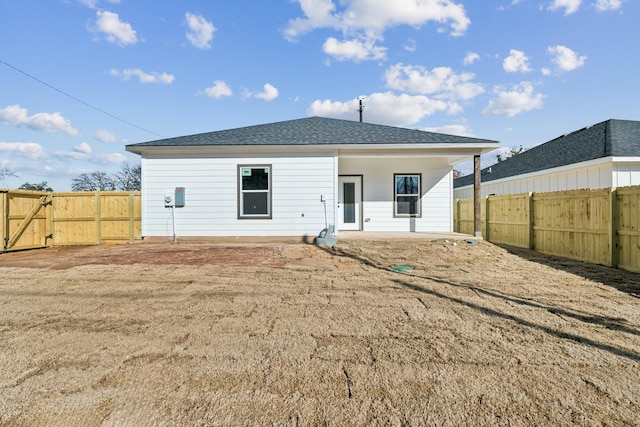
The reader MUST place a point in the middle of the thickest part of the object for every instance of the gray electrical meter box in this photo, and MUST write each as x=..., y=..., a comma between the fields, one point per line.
x=179, y=199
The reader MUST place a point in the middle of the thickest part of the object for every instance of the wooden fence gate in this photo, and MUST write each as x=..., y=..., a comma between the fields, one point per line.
x=24, y=219
x=32, y=219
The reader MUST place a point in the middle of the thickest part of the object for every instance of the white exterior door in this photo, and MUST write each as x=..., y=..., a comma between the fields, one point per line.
x=349, y=202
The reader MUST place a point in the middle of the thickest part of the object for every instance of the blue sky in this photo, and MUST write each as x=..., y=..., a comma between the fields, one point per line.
x=80, y=79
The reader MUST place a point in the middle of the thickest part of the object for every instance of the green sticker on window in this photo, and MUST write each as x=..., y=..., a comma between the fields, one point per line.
x=246, y=171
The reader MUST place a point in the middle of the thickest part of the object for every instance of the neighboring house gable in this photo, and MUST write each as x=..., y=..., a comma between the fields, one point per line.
x=589, y=157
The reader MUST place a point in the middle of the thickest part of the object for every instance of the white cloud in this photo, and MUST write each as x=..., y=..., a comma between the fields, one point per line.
x=363, y=22
x=385, y=108
x=44, y=122
x=511, y=102
x=94, y=3
x=30, y=150
x=110, y=158
x=268, y=94
x=218, y=90
x=89, y=3
x=516, y=62
x=200, y=31
x=83, y=151
x=142, y=76
x=470, y=58
x=441, y=82
x=106, y=136
x=569, y=6
x=80, y=152
x=410, y=45
x=460, y=130
x=355, y=50
x=374, y=16
x=83, y=148
x=565, y=58
x=318, y=14
x=605, y=5
x=116, y=31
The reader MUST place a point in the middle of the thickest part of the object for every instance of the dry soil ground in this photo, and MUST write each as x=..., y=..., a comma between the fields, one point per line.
x=293, y=335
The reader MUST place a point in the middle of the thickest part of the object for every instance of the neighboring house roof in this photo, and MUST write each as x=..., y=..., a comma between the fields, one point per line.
x=619, y=138
x=310, y=131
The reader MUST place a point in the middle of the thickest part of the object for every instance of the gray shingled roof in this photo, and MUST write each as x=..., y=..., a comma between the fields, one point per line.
x=609, y=138
x=311, y=131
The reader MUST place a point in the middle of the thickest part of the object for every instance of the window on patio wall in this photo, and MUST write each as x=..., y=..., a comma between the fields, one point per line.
x=407, y=191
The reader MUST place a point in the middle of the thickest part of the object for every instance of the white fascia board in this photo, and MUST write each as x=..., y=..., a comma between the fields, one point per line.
x=229, y=150
x=344, y=149
x=443, y=147
x=565, y=168
x=437, y=150
x=625, y=159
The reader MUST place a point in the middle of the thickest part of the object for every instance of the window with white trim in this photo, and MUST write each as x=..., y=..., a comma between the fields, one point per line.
x=254, y=191
x=407, y=195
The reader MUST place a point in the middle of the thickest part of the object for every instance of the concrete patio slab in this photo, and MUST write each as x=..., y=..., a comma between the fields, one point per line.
x=388, y=235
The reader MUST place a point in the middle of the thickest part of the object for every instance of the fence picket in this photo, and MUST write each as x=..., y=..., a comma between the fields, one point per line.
x=81, y=218
x=598, y=226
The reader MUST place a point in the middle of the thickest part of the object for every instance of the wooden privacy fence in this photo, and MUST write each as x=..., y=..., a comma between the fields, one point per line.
x=596, y=226
x=32, y=219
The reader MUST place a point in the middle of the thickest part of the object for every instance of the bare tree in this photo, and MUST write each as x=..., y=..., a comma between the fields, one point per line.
x=6, y=173
x=94, y=181
x=456, y=174
x=42, y=186
x=513, y=151
x=129, y=178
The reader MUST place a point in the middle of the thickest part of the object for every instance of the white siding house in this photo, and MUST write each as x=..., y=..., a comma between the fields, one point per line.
x=604, y=155
x=211, y=205
x=291, y=179
x=378, y=191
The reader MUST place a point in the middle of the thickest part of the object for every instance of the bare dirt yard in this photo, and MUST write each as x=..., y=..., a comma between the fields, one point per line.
x=294, y=335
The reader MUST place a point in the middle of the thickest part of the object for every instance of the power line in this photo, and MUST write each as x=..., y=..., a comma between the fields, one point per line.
x=100, y=110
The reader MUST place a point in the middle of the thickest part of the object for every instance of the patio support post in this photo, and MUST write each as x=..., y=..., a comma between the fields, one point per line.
x=476, y=197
